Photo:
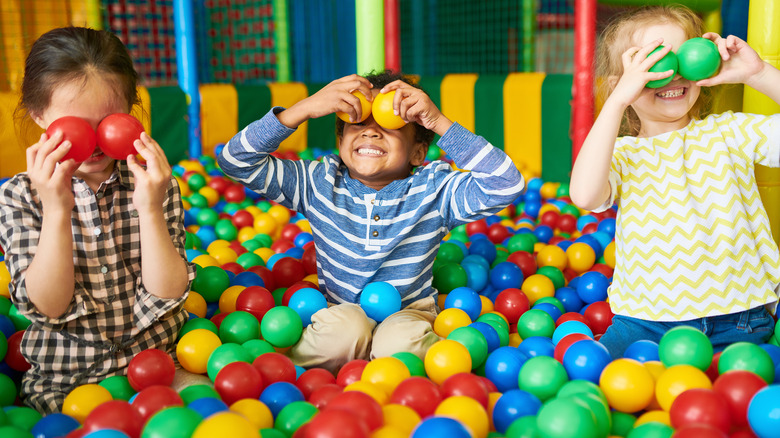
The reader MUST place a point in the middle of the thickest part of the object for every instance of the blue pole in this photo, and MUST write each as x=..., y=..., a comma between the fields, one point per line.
x=187, y=69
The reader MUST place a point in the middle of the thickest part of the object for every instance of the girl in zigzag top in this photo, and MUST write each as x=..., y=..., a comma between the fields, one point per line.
x=693, y=244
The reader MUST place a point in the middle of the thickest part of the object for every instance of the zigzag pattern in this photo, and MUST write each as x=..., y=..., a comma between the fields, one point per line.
x=695, y=237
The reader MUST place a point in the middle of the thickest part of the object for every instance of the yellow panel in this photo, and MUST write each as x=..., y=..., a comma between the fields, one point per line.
x=287, y=95
x=218, y=115
x=143, y=112
x=523, y=121
x=12, y=158
x=13, y=44
x=50, y=14
x=457, y=98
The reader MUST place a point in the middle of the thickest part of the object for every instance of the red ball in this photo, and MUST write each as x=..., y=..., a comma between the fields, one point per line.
x=738, y=387
x=265, y=274
x=321, y=396
x=467, y=384
x=235, y=193
x=76, y=433
x=275, y=367
x=600, y=316
x=497, y=233
x=475, y=227
x=219, y=184
x=525, y=261
x=700, y=406
x=233, y=267
x=309, y=259
x=282, y=245
x=115, y=414
x=237, y=381
x=743, y=433
x=567, y=223
x=511, y=303
x=418, y=393
x=589, y=228
x=154, y=399
x=13, y=356
x=224, y=215
x=150, y=367
x=554, y=240
x=699, y=431
x=289, y=232
x=298, y=285
x=80, y=134
x=712, y=371
x=572, y=316
x=567, y=341
x=237, y=247
x=604, y=269
x=361, y=406
x=242, y=218
x=549, y=218
x=116, y=134
x=351, y=372
x=314, y=379
x=217, y=319
x=336, y=423
x=287, y=271
x=256, y=300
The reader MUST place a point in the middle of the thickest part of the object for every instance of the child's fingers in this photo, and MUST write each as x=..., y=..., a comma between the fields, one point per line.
x=396, y=84
x=135, y=167
x=64, y=171
x=48, y=163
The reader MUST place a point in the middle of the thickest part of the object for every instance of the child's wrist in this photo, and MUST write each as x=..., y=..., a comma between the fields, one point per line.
x=292, y=117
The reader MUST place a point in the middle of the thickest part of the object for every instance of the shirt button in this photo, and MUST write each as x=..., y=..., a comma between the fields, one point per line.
x=376, y=218
x=99, y=195
x=375, y=233
x=134, y=213
x=104, y=269
x=96, y=231
x=372, y=202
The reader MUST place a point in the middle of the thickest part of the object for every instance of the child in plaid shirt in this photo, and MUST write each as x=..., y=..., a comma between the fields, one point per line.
x=75, y=233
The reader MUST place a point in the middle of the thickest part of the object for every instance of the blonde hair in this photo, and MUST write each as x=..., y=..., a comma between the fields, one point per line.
x=617, y=37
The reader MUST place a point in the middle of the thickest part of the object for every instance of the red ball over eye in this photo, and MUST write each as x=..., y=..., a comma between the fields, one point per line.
x=116, y=134
x=79, y=132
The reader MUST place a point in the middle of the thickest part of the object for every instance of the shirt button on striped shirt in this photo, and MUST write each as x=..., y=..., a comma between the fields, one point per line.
x=376, y=218
x=375, y=233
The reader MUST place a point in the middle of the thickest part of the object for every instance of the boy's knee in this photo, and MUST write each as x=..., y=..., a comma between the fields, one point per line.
x=406, y=331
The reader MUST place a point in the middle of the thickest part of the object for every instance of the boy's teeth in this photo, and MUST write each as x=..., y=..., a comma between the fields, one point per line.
x=369, y=151
x=672, y=93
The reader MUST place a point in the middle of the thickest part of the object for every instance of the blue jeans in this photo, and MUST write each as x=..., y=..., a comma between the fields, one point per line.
x=754, y=325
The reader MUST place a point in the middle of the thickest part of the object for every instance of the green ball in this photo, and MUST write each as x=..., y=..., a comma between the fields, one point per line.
x=685, y=345
x=600, y=410
x=563, y=191
x=23, y=417
x=249, y=259
x=554, y=274
x=448, y=277
x=172, y=422
x=450, y=252
x=523, y=427
x=749, y=357
x=579, y=386
x=196, y=181
x=119, y=387
x=8, y=390
x=231, y=207
x=210, y=282
x=251, y=245
x=246, y=203
x=223, y=355
x=503, y=335
x=198, y=200
x=488, y=317
x=198, y=323
x=225, y=230
x=474, y=341
x=14, y=432
x=265, y=240
x=264, y=206
x=522, y=242
x=535, y=322
x=207, y=216
x=195, y=392
x=5, y=305
x=272, y=433
x=651, y=430
x=278, y=295
x=281, y=326
x=622, y=423
x=293, y=416
x=258, y=347
x=434, y=153
x=552, y=300
x=20, y=321
x=192, y=241
x=3, y=346
x=571, y=209
x=698, y=58
x=668, y=62
x=414, y=364
x=501, y=256
x=566, y=418
x=239, y=327
x=542, y=376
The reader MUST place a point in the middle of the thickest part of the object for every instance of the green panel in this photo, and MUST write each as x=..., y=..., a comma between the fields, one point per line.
x=253, y=102
x=168, y=107
x=322, y=130
x=432, y=86
x=556, y=128
x=489, y=108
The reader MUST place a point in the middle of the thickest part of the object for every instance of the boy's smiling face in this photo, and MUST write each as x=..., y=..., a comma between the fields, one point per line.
x=376, y=156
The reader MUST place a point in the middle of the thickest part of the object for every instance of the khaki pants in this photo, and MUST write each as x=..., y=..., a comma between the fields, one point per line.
x=343, y=332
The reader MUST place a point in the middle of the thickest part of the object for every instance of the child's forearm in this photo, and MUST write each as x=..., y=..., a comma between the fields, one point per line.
x=767, y=82
x=163, y=270
x=50, y=278
x=590, y=175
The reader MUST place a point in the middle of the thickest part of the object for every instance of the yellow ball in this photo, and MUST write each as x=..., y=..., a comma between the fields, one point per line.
x=264, y=253
x=492, y=400
x=401, y=417
x=196, y=304
x=487, y=305
x=468, y=412
x=538, y=246
x=217, y=244
x=449, y=319
x=211, y=195
x=537, y=286
x=253, y=210
x=677, y=379
x=549, y=190
x=255, y=411
x=304, y=225
x=382, y=109
x=5, y=280
x=83, y=399
x=227, y=301
x=194, y=349
x=385, y=372
x=581, y=257
x=552, y=255
x=609, y=255
x=656, y=368
x=224, y=255
x=192, y=165
x=657, y=416
x=365, y=109
x=183, y=188
x=205, y=260
x=388, y=432
x=265, y=224
x=226, y=424
x=246, y=233
x=515, y=339
x=627, y=385
x=312, y=278
x=446, y=358
x=548, y=207
x=280, y=214
x=371, y=389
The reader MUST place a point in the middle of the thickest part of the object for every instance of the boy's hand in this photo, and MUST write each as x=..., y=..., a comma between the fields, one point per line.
x=414, y=105
x=151, y=183
x=636, y=74
x=52, y=180
x=336, y=96
x=740, y=63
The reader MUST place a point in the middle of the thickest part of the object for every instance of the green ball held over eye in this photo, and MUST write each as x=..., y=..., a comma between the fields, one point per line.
x=668, y=62
x=698, y=59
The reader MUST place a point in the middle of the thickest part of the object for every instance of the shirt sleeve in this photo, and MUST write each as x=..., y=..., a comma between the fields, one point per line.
x=765, y=143
x=491, y=182
x=149, y=308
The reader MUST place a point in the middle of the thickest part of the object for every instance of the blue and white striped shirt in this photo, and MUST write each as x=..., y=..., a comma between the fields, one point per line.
x=363, y=235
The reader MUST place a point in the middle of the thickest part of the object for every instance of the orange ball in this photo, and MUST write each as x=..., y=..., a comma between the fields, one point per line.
x=365, y=109
x=382, y=109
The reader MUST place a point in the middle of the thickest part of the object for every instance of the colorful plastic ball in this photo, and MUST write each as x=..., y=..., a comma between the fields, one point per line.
x=153, y=399
x=313, y=379
x=580, y=257
x=566, y=418
x=379, y=300
x=419, y=394
x=238, y=380
x=666, y=63
x=450, y=319
x=535, y=322
x=512, y=405
x=677, y=379
x=351, y=372
x=385, y=372
x=413, y=363
x=194, y=392
x=474, y=341
x=592, y=287
x=700, y=406
x=277, y=395
x=226, y=424
x=275, y=367
x=362, y=406
x=446, y=358
x=685, y=345
x=223, y=355
x=238, y=327
x=749, y=357
x=173, y=422
x=335, y=423
x=569, y=327
x=642, y=351
x=210, y=282
x=512, y=303
x=449, y=276
x=599, y=316
x=586, y=360
x=466, y=299
x=256, y=300
x=538, y=286
x=150, y=367
x=738, y=387
x=542, y=376
x=502, y=367
x=536, y=346
x=115, y=414
x=698, y=58
x=628, y=385
x=54, y=425
x=552, y=255
x=293, y=416
x=763, y=409
x=440, y=427
x=491, y=334
x=567, y=341
x=506, y=275
x=306, y=302
x=652, y=429
x=468, y=412
x=194, y=348
x=281, y=327
x=208, y=406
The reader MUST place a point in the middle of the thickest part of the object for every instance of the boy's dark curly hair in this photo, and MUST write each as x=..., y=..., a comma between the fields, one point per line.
x=379, y=80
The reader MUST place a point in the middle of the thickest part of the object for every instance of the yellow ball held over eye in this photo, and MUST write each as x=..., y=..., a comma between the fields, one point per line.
x=365, y=109
x=383, y=111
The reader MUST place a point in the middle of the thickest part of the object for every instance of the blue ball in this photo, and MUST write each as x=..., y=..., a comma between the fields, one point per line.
x=506, y=275
x=380, y=300
x=774, y=352
x=502, y=367
x=273, y=259
x=294, y=252
x=512, y=405
x=279, y=394
x=593, y=243
x=476, y=275
x=6, y=326
x=440, y=427
x=585, y=220
x=642, y=351
x=106, y=433
x=569, y=298
x=603, y=238
x=483, y=247
x=251, y=194
x=211, y=309
x=533, y=346
x=544, y=233
x=532, y=208
x=570, y=327
x=564, y=244
x=476, y=259
x=246, y=279
x=490, y=334
x=549, y=308
x=466, y=299
x=592, y=287
x=607, y=225
x=220, y=205
x=54, y=425
x=763, y=411
x=490, y=220
x=207, y=235
x=586, y=360
x=306, y=302
x=534, y=185
x=302, y=239
x=207, y=406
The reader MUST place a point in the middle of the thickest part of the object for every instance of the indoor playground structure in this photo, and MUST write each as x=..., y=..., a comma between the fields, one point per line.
x=522, y=294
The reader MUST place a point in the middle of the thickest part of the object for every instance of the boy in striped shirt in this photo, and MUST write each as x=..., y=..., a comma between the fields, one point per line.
x=376, y=213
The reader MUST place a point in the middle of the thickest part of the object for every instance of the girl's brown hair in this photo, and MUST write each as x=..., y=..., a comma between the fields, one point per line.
x=617, y=37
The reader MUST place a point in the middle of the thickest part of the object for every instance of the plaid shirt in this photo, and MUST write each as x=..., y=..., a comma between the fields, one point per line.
x=112, y=317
